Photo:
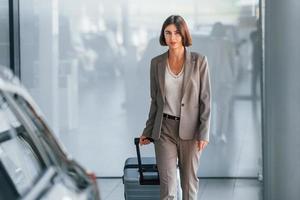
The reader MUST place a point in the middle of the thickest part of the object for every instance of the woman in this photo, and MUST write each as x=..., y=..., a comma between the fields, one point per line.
x=179, y=115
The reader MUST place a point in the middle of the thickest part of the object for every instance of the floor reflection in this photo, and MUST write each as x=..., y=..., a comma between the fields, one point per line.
x=209, y=189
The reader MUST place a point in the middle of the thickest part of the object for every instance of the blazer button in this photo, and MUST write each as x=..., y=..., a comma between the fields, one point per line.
x=182, y=104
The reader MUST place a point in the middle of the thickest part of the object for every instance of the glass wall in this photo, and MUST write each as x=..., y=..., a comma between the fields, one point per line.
x=87, y=65
x=4, y=33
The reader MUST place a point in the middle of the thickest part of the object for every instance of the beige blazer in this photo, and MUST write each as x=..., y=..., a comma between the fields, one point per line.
x=195, y=102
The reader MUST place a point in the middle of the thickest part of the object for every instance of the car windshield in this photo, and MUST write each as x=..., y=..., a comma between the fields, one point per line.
x=18, y=158
x=50, y=144
x=41, y=129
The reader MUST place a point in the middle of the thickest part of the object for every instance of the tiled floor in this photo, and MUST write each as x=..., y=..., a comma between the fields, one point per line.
x=209, y=189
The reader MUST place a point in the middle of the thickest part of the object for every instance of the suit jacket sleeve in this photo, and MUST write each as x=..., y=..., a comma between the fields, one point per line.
x=153, y=107
x=204, y=101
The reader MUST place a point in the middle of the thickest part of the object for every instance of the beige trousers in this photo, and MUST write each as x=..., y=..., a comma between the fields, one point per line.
x=168, y=149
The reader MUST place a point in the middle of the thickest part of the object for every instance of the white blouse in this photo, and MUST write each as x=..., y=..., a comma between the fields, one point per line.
x=173, y=91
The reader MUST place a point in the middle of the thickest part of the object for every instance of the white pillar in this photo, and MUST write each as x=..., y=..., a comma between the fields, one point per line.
x=48, y=60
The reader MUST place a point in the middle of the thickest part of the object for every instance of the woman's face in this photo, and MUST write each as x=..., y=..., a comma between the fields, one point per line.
x=173, y=37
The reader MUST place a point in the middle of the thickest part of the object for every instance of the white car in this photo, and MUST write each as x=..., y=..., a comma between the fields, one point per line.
x=33, y=164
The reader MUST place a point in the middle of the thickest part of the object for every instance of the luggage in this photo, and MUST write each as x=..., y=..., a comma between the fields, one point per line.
x=141, y=177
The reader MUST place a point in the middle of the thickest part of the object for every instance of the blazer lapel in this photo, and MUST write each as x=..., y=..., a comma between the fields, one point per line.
x=188, y=69
x=161, y=73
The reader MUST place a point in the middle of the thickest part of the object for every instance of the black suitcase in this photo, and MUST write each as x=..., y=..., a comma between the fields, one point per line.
x=141, y=177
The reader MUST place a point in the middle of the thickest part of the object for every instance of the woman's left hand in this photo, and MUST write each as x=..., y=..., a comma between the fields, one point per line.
x=201, y=144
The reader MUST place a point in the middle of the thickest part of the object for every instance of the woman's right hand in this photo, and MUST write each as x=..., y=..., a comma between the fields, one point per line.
x=144, y=140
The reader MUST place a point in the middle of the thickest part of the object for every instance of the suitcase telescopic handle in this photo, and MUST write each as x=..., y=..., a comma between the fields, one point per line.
x=138, y=152
x=137, y=142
